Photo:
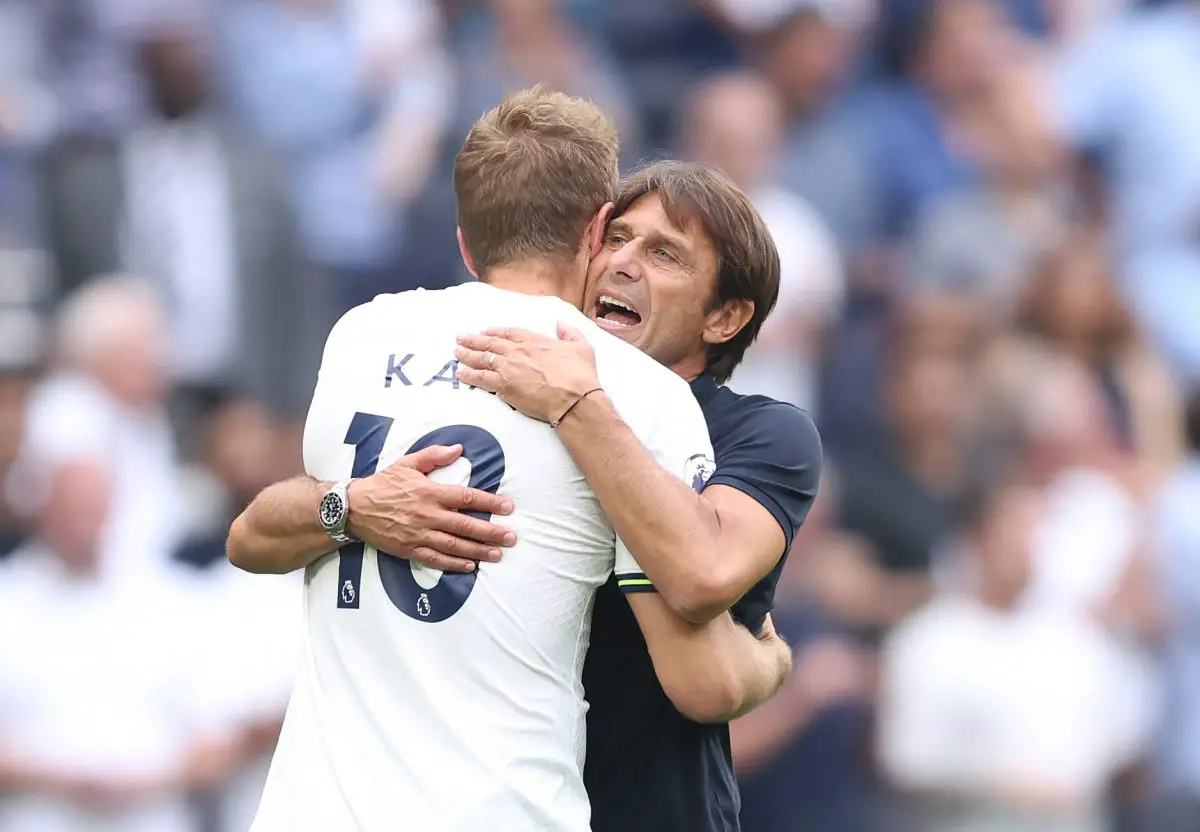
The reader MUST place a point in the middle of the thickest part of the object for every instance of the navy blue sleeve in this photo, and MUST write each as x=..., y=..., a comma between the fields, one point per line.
x=772, y=452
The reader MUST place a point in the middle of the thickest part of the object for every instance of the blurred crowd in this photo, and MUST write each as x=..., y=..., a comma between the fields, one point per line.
x=988, y=217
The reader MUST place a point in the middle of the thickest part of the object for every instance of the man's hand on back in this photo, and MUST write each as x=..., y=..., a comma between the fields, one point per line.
x=539, y=376
x=401, y=512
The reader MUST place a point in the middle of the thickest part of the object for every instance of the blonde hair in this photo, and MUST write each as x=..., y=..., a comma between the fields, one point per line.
x=531, y=174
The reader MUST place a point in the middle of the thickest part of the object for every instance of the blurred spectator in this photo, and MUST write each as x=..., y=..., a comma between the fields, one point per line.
x=920, y=131
x=1177, y=527
x=532, y=41
x=983, y=241
x=25, y=108
x=1090, y=553
x=735, y=121
x=1071, y=304
x=807, y=57
x=104, y=722
x=802, y=759
x=661, y=46
x=25, y=119
x=997, y=716
x=1123, y=93
x=106, y=400
x=88, y=63
x=255, y=641
x=188, y=203
x=901, y=497
x=355, y=94
x=1091, y=549
x=238, y=459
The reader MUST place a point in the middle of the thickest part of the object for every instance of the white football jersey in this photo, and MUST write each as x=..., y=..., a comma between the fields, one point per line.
x=453, y=703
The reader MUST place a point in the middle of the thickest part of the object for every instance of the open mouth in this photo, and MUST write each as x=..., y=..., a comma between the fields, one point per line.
x=615, y=313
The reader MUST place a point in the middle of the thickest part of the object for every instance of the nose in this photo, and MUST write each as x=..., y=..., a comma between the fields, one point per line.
x=626, y=263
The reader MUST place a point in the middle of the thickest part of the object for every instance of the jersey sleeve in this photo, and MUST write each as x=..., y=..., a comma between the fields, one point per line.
x=775, y=458
x=678, y=439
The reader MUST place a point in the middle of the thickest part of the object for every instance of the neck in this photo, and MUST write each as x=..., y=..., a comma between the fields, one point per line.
x=539, y=277
x=690, y=368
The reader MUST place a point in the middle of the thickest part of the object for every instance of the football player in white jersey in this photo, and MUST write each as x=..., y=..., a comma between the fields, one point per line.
x=413, y=682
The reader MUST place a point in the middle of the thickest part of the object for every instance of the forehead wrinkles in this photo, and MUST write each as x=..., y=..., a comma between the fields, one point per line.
x=686, y=227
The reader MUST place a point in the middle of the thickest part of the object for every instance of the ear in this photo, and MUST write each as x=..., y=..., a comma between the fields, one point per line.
x=597, y=228
x=466, y=255
x=727, y=320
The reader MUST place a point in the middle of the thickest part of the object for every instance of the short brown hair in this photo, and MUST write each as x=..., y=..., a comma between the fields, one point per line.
x=747, y=260
x=531, y=174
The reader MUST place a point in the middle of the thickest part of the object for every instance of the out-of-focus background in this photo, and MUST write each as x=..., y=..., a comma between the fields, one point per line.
x=988, y=215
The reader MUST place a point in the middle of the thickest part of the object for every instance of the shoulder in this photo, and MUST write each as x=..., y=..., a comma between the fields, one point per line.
x=760, y=422
x=627, y=371
x=369, y=316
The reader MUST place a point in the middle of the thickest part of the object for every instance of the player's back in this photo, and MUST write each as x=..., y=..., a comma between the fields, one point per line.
x=451, y=704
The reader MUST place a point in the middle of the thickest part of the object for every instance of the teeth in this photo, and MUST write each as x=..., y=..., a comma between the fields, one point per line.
x=620, y=304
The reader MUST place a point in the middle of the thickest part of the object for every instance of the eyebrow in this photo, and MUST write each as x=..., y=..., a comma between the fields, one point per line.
x=654, y=237
x=619, y=225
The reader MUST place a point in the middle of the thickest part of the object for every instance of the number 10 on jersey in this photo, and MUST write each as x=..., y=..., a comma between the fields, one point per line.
x=367, y=434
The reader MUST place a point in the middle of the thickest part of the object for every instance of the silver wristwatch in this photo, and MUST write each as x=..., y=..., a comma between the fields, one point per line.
x=334, y=511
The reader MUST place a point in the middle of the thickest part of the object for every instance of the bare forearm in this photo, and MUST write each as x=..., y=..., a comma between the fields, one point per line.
x=762, y=666
x=671, y=530
x=711, y=672
x=279, y=531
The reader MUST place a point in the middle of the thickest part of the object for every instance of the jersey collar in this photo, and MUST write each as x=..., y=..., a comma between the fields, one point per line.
x=704, y=387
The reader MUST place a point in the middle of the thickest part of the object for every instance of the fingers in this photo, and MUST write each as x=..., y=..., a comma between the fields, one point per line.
x=472, y=499
x=473, y=528
x=487, y=343
x=446, y=563
x=475, y=359
x=569, y=333
x=457, y=547
x=428, y=459
x=511, y=333
x=488, y=380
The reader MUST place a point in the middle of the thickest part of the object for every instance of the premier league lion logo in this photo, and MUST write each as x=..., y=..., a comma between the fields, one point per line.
x=697, y=471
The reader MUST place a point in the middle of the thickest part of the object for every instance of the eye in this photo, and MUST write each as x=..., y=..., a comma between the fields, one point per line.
x=615, y=238
x=664, y=254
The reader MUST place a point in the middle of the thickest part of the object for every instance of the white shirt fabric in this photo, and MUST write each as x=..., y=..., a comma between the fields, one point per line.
x=100, y=679
x=254, y=652
x=974, y=697
x=1082, y=549
x=395, y=709
x=180, y=234
x=1090, y=531
x=71, y=416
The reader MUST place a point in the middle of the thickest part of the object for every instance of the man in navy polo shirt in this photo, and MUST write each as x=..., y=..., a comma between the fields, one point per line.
x=686, y=276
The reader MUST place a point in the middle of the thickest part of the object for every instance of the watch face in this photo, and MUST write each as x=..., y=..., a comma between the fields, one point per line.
x=332, y=510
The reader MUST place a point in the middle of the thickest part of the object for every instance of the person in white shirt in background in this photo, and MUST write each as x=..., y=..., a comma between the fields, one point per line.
x=106, y=721
x=253, y=645
x=996, y=714
x=105, y=398
x=735, y=122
